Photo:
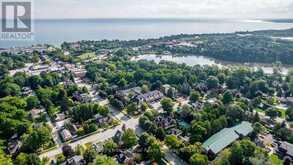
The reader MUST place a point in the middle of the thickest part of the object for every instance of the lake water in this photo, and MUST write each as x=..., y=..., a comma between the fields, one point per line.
x=56, y=31
x=201, y=60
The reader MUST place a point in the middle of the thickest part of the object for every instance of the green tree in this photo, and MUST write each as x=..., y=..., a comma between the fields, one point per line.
x=90, y=155
x=258, y=85
x=104, y=110
x=143, y=140
x=5, y=159
x=167, y=105
x=160, y=133
x=79, y=149
x=173, y=142
x=258, y=128
x=223, y=158
x=104, y=160
x=110, y=148
x=227, y=97
x=188, y=150
x=144, y=88
x=20, y=78
x=35, y=58
x=199, y=131
x=60, y=158
x=272, y=113
x=171, y=93
x=35, y=81
x=132, y=108
x=212, y=82
x=155, y=152
x=237, y=153
x=32, y=102
x=9, y=89
x=234, y=114
x=289, y=114
x=198, y=159
x=129, y=138
x=37, y=138
x=28, y=159
x=194, y=96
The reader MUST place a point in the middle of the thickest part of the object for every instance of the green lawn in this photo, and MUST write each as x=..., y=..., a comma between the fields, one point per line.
x=86, y=56
x=283, y=113
x=259, y=110
x=275, y=160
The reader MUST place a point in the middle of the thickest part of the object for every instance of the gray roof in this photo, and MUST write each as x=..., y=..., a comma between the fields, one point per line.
x=244, y=128
x=226, y=136
x=288, y=147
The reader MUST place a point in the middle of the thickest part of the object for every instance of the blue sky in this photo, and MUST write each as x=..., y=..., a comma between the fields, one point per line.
x=244, y=9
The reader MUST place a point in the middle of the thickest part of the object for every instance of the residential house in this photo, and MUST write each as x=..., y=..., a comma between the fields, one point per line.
x=36, y=113
x=98, y=147
x=117, y=138
x=166, y=90
x=197, y=106
x=26, y=91
x=174, y=131
x=60, y=117
x=81, y=97
x=289, y=101
x=13, y=145
x=149, y=97
x=285, y=149
x=75, y=160
x=102, y=120
x=225, y=137
x=264, y=140
x=126, y=95
x=71, y=127
x=66, y=135
x=39, y=67
x=125, y=157
x=165, y=122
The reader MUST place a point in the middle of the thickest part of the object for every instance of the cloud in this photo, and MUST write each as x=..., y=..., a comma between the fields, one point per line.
x=163, y=8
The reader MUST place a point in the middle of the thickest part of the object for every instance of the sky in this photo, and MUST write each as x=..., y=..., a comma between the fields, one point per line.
x=244, y=9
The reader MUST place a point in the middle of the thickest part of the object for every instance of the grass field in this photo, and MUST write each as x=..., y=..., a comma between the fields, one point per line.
x=283, y=113
x=259, y=110
x=86, y=56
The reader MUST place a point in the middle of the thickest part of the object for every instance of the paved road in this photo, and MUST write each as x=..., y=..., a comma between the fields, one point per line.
x=102, y=136
x=54, y=132
x=99, y=137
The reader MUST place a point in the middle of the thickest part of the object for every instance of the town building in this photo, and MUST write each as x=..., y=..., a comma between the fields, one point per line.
x=225, y=137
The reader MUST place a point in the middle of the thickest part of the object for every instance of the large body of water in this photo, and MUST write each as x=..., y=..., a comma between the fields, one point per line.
x=57, y=31
x=201, y=60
